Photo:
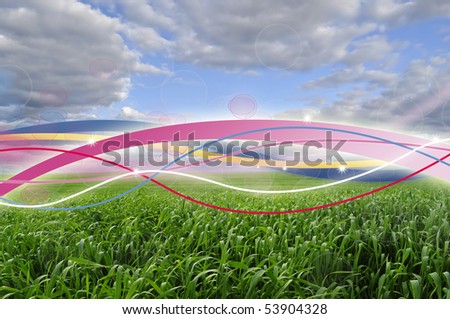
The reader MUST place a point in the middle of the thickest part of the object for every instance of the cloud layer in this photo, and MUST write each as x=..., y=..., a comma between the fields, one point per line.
x=74, y=57
x=62, y=55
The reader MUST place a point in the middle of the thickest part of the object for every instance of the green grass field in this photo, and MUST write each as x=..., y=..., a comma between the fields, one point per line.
x=152, y=244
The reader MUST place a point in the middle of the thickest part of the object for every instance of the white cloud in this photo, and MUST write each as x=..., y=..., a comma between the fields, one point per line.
x=247, y=34
x=371, y=48
x=242, y=34
x=395, y=12
x=130, y=113
x=76, y=56
x=417, y=100
x=146, y=38
x=359, y=73
x=299, y=36
x=73, y=54
x=153, y=116
x=143, y=13
x=390, y=10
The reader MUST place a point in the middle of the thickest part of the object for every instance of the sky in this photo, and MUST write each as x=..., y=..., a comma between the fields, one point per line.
x=381, y=63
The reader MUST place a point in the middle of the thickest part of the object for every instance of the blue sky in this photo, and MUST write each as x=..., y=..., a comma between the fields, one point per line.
x=360, y=62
